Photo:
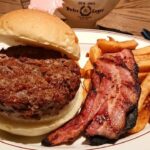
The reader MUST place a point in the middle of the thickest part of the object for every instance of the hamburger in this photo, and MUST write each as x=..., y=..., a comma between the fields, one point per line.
x=40, y=86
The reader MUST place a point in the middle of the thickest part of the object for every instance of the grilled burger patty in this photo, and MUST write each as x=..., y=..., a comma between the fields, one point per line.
x=31, y=87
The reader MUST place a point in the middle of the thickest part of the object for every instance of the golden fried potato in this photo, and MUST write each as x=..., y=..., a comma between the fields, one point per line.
x=87, y=69
x=115, y=46
x=94, y=53
x=142, y=120
x=142, y=76
x=82, y=72
x=145, y=91
x=131, y=44
x=142, y=57
x=142, y=51
x=87, y=86
x=143, y=116
x=88, y=65
x=144, y=65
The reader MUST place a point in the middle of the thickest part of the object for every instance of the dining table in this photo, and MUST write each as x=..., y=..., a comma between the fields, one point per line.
x=129, y=16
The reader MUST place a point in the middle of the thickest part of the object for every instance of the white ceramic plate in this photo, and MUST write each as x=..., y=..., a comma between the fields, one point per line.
x=137, y=141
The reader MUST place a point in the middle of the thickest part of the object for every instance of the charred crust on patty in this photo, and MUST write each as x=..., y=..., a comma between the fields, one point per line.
x=31, y=86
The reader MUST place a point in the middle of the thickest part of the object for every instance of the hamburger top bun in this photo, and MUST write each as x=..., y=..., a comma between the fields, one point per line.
x=37, y=28
x=36, y=128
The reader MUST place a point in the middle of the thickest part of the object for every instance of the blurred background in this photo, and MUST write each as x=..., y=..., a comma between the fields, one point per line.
x=129, y=16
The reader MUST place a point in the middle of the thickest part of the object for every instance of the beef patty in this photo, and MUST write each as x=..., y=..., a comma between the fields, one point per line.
x=33, y=87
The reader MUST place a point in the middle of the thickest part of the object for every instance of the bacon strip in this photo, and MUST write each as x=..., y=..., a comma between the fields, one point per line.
x=110, y=121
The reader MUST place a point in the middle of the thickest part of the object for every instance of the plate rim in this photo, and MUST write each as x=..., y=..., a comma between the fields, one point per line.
x=12, y=144
x=111, y=32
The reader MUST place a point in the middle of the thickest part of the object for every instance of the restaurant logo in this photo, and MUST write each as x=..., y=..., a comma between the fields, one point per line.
x=85, y=10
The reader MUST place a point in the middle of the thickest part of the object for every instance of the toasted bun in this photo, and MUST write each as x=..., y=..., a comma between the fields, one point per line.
x=39, y=28
x=37, y=128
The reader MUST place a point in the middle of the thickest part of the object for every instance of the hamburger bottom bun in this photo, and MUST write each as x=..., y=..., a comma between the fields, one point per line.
x=37, y=128
x=37, y=28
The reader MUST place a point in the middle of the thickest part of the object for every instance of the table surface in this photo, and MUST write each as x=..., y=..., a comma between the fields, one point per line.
x=129, y=15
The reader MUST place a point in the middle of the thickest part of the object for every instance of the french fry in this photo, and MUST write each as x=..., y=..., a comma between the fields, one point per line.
x=147, y=103
x=85, y=73
x=94, y=53
x=87, y=69
x=142, y=57
x=87, y=86
x=88, y=73
x=142, y=51
x=142, y=120
x=131, y=44
x=143, y=117
x=142, y=76
x=84, y=94
x=144, y=66
x=145, y=91
x=108, y=46
x=114, y=46
x=88, y=65
x=82, y=72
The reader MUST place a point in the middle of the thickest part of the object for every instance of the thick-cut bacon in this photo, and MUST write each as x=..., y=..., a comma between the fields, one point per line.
x=108, y=106
x=110, y=121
